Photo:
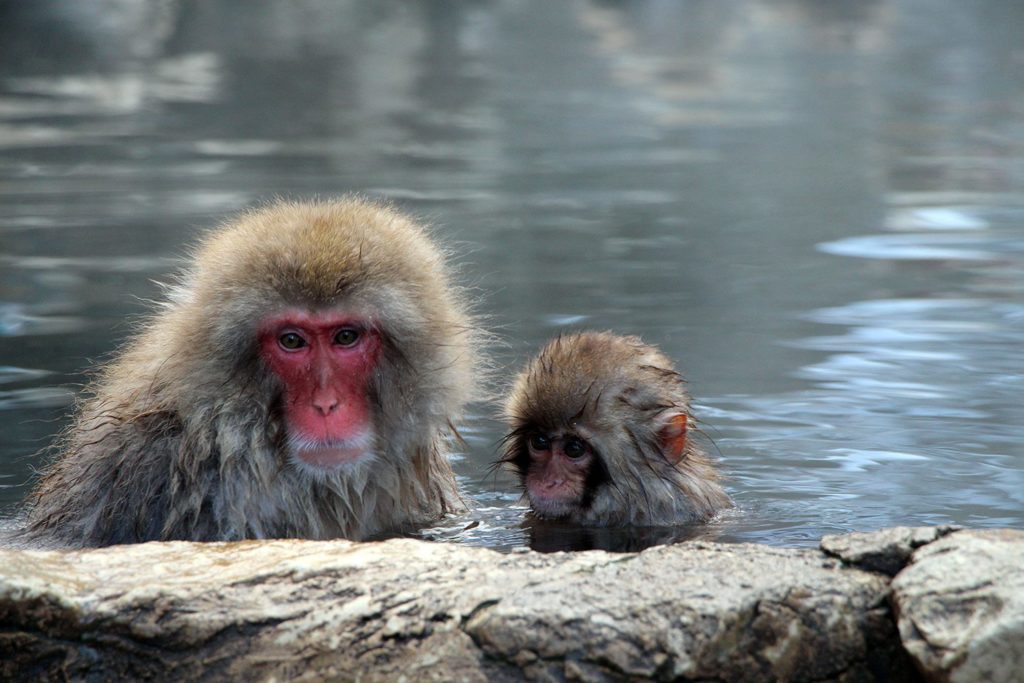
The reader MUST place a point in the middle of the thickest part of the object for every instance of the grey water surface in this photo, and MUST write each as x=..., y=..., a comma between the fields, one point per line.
x=816, y=208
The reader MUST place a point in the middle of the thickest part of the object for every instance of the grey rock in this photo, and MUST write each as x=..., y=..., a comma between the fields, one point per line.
x=886, y=551
x=412, y=610
x=960, y=607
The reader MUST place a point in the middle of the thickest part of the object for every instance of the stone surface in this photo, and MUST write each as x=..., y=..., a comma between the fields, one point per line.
x=960, y=606
x=301, y=610
x=886, y=551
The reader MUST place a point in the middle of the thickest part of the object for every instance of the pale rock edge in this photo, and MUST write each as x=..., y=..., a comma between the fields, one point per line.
x=413, y=610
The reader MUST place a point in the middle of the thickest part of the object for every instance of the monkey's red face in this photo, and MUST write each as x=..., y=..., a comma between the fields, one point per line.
x=557, y=476
x=324, y=362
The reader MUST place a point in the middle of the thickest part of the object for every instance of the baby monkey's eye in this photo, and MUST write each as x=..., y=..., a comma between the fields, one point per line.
x=574, y=448
x=539, y=442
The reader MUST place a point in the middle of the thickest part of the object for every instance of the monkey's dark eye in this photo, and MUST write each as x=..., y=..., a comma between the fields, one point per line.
x=574, y=448
x=346, y=336
x=539, y=442
x=291, y=341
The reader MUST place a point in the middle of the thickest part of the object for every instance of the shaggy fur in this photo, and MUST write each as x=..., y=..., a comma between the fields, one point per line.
x=180, y=437
x=617, y=393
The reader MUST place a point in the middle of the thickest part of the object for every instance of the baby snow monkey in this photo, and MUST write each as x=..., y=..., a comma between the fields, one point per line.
x=600, y=435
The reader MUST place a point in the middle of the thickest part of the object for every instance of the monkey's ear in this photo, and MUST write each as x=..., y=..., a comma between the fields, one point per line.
x=673, y=437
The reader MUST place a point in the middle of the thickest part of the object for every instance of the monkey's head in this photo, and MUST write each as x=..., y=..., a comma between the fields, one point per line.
x=598, y=430
x=339, y=319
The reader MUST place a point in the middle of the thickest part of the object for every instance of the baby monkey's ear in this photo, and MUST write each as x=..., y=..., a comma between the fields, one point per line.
x=673, y=437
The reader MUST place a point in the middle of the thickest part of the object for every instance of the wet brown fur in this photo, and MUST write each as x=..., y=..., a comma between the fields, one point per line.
x=180, y=437
x=617, y=393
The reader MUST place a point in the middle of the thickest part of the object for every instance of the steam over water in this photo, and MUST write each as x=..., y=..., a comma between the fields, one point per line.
x=816, y=208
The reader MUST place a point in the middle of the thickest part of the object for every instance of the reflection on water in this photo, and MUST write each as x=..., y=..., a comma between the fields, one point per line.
x=817, y=208
x=916, y=247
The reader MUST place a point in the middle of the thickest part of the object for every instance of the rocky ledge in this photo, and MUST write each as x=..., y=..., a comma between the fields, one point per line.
x=899, y=604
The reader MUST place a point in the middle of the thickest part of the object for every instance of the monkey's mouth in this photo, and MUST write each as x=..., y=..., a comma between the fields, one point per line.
x=331, y=454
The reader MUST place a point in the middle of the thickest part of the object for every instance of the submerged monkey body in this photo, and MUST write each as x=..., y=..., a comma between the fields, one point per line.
x=599, y=435
x=210, y=425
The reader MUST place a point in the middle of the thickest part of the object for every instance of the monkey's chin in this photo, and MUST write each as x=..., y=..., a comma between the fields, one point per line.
x=553, y=508
x=331, y=455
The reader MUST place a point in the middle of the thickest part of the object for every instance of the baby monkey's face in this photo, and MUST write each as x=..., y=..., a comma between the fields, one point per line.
x=558, y=477
x=599, y=434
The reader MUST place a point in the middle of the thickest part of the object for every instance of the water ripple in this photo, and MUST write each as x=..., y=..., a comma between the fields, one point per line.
x=37, y=397
x=10, y=373
x=115, y=264
x=921, y=247
x=15, y=321
x=934, y=218
x=185, y=78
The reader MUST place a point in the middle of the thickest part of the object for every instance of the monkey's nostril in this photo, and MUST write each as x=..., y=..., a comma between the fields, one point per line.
x=325, y=407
